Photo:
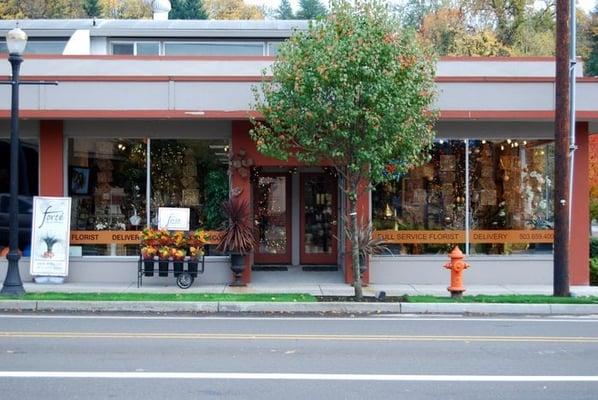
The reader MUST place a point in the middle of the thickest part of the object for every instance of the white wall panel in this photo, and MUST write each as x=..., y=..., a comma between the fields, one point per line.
x=496, y=96
x=587, y=96
x=108, y=96
x=230, y=96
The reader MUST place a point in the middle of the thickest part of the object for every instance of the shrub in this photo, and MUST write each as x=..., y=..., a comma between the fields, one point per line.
x=594, y=247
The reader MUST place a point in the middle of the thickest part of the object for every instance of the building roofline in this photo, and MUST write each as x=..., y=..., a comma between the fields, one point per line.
x=155, y=28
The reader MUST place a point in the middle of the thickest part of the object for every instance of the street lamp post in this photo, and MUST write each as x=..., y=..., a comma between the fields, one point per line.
x=16, y=40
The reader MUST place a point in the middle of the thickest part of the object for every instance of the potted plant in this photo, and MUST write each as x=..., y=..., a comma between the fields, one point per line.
x=149, y=250
x=178, y=252
x=164, y=259
x=237, y=239
x=195, y=241
x=148, y=253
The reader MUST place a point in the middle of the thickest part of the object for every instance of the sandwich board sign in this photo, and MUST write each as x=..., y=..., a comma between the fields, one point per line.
x=50, y=236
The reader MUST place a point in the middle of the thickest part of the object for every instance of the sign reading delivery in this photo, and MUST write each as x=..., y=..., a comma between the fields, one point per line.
x=475, y=236
x=50, y=236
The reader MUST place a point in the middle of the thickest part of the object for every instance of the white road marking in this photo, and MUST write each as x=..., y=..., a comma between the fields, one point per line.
x=294, y=376
x=292, y=337
x=323, y=318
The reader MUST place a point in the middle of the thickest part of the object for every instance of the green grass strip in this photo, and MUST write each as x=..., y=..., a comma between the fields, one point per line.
x=507, y=298
x=261, y=297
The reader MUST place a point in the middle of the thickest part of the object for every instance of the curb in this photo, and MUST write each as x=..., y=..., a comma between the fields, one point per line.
x=292, y=307
x=487, y=308
x=126, y=306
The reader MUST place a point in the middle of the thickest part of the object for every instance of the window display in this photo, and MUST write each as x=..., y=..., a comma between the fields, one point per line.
x=511, y=190
x=510, y=199
x=428, y=198
x=107, y=182
x=191, y=174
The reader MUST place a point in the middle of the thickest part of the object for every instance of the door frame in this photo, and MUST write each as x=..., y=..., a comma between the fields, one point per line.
x=318, y=258
x=282, y=258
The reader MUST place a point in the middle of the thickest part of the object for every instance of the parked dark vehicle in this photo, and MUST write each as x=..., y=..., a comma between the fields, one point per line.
x=25, y=218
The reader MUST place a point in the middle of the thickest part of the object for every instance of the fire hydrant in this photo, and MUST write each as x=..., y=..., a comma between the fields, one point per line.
x=456, y=265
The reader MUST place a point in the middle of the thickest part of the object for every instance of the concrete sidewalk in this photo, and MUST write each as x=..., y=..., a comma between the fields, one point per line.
x=328, y=289
x=335, y=308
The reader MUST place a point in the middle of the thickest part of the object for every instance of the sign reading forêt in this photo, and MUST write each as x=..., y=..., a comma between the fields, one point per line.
x=173, y=219
x=50, y=236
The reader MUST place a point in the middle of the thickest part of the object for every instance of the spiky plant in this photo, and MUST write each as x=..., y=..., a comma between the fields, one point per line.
x=50, y=242
x=238, y=233
x=368, y=244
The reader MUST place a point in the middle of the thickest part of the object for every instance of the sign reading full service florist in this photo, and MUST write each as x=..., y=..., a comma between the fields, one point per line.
x=50, y=236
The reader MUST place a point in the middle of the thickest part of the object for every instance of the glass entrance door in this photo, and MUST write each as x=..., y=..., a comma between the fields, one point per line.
x=272, y=218
x=318, y=219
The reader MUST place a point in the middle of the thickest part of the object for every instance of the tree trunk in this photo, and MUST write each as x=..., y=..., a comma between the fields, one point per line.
x=355, y=245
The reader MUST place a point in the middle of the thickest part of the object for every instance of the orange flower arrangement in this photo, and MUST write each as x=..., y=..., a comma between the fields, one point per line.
x=175, y=245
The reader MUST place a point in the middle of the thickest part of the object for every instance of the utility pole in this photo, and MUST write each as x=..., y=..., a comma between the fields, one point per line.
x=561, y=153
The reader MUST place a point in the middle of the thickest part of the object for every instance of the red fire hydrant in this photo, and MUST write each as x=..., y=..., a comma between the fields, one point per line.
x=456, y=265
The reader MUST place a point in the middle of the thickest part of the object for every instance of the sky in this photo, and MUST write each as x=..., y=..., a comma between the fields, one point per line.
x=585, y=4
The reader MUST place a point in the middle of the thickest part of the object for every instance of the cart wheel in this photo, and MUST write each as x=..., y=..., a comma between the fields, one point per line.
x=184, y=280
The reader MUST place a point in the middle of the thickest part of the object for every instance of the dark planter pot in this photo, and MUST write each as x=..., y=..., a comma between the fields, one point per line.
x=192, y=268
x=178, y=268
x=163, y=268
x=148, y=268
x=237, y=265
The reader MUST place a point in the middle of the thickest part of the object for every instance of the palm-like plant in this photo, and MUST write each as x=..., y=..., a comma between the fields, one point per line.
x=368, y=244
x=238, y=233
x=50, y=241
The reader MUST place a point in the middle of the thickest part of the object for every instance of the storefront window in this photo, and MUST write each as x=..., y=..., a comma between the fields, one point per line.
x=418, y=213
x=510, y=200
x=191, y=174
x=107, y=182
x=28, y=187
x=511, y=183
x=108, y=178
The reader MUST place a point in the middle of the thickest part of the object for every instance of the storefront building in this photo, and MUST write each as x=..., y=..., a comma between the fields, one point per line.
x=149, y=114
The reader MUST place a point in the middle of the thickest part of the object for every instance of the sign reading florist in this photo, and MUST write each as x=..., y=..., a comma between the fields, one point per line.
x=50, y=236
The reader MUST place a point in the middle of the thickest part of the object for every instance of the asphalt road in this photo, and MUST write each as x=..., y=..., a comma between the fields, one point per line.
x=47, y=356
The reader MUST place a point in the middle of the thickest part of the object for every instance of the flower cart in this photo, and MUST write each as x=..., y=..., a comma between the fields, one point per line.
x=180, y=254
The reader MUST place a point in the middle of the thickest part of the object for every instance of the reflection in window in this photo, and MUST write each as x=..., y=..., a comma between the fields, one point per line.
x=40, y=46
x=273, y=48
x=136, y=48
x=148, y=48
x=428, y=197
x=127, y=49
x=28, y=187
x=511, y=189
x=213, y=49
